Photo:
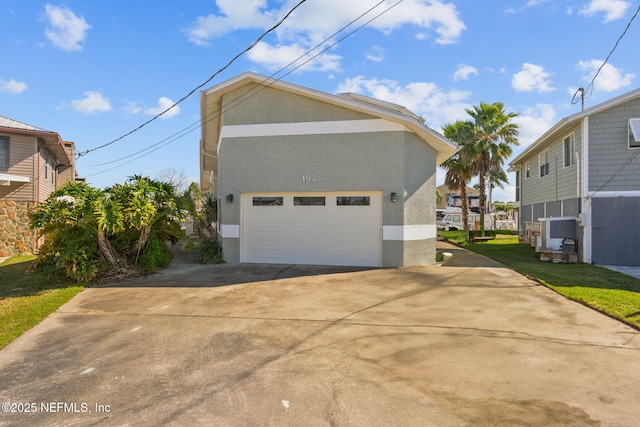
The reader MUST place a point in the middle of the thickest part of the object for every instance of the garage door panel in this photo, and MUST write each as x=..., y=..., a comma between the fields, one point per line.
x=321, y=234
x=267, y=254
x=266, y=236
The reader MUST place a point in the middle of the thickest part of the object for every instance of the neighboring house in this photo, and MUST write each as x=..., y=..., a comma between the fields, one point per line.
x=448, y=192
x=584, y=173
x=307, y=177
x=33, y=163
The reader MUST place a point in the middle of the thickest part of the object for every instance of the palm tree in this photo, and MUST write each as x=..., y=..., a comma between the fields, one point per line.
x=494, y=134
x=496, y=178
x=458, y=167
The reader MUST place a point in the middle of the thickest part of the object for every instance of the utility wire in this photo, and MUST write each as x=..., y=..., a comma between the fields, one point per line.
x=589, y=90
x=247, y=95
x=263, y=35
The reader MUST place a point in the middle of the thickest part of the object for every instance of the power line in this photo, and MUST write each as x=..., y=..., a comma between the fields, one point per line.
x=257, y=89
x=589, y=88
x=201, y=85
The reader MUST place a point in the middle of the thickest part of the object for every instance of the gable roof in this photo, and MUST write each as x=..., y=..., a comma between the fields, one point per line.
x=51, y=140
x=360, y=103
x=569, y=121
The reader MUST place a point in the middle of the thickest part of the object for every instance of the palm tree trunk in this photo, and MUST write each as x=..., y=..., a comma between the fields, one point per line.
x=142, y=240
x=483, y=200
x=106, y=250
x=465, y=206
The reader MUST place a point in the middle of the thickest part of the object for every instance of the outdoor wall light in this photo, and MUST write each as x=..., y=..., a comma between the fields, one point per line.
x=394, y=197
x=229, y=198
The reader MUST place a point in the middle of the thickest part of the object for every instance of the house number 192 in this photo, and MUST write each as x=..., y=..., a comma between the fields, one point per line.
x=309, y=178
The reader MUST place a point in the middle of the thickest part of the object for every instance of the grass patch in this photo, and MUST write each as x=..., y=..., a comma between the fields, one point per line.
x=190, y=246
x=27, y=298
x=610, y=292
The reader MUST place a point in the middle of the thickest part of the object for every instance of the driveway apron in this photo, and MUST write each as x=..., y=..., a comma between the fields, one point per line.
x=467, y=343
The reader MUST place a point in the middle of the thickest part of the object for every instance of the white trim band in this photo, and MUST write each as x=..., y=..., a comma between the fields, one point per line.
x=602, y=194
x=309, y=128
x=409, y=232
x=230, y=231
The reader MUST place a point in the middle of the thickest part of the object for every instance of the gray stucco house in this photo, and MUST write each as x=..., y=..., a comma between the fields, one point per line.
x=585, y=172
x=307, y=177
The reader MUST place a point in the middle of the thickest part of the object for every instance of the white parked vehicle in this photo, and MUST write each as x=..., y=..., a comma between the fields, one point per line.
x=452, y=217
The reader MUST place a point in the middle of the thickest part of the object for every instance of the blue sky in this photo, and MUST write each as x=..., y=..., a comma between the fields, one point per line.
x=93, y=71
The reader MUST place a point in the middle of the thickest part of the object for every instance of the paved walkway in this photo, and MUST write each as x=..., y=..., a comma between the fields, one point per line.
x=291, y=345
x=631, y=271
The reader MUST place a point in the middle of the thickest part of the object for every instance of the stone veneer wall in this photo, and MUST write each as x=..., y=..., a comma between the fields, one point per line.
x=15, y=236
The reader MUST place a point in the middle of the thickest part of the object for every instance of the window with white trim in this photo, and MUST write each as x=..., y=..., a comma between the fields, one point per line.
x=569, y=150
x=4, y=153
x=527, y=169
x=634, y=133
x=543, y=161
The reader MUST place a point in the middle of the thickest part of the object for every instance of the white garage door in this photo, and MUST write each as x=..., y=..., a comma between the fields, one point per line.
x=312, y=228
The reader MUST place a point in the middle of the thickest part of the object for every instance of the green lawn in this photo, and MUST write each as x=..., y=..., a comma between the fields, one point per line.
x=613, y=293
x=26, y=299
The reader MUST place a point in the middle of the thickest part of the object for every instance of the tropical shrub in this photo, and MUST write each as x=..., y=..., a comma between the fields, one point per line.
x=91, y=233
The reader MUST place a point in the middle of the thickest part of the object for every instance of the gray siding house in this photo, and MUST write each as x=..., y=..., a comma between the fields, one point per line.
x=307, y=177
x=586, y=168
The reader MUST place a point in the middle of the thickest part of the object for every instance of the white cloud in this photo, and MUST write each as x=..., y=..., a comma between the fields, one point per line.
x=313, y=22
x=532, y=78
x=277, y=57
x=131, y=108
x=609, y=79
x=234, y=15
x=532, y=3
x=438, y=106
x=12, y=86
x=612, y=9
x=92, y=102
x=464, y=71
x=66, y=30
x=163, y=104
x=534, y=122
x=506, y=194
x=375, y=54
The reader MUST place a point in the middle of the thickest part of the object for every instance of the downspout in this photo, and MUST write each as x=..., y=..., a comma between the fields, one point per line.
x=37, y=176
x=37, y=190
x=586, y=200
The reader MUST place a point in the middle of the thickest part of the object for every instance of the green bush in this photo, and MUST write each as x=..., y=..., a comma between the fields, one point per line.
x=69, y=252
x=155, y=255
x=210, y=252
x=92, y=232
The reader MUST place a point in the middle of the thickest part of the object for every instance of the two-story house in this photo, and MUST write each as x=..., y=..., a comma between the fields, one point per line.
x=308, y=177
x=33, y=163
x=584, y=172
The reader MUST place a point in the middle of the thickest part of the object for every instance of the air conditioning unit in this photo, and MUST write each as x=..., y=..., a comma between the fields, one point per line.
x=553, y=231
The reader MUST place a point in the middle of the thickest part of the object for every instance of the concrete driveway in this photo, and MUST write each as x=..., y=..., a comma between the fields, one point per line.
x=470, y=343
